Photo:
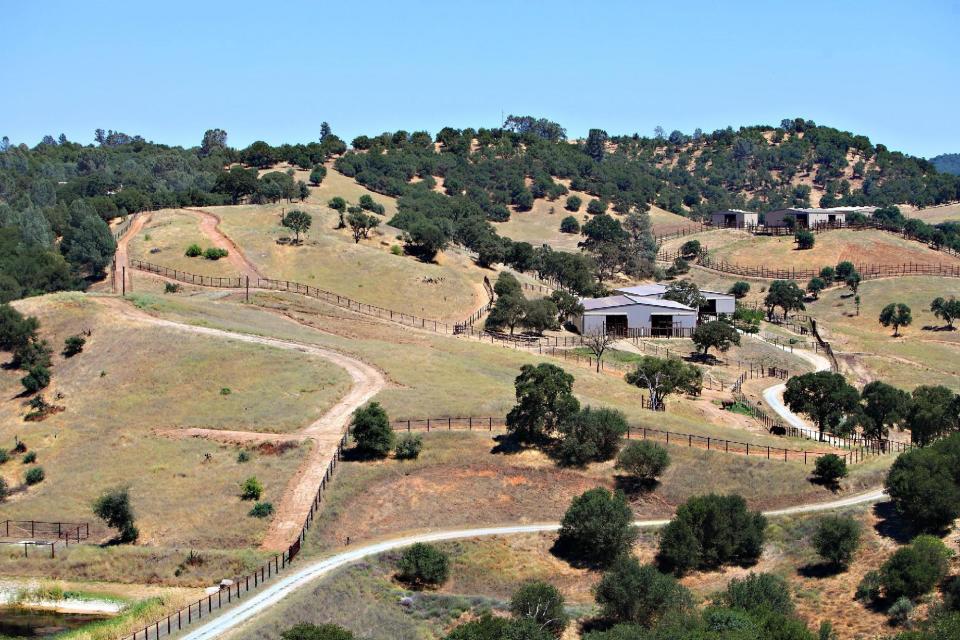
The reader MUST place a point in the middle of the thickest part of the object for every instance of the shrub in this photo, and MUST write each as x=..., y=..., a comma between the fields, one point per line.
x=740, y=289
x=569, y=225
x=34, y=475
x=30, y=458
x=307, y=631
x=488, y=627
x=371, y=430
x=900, y=611
x=38, y=377
x=709, y=531
x=194, y=251
x=251, y=489
x=596, y=207
x=542, y=603
x=643, y=460
x=631, y=592
x=804, y=239
x=4, y=490
x=597, y=526
x=262, y=510
x=409, y=447
x=868, y=590
x=951, y=594
x=73, y=345
x=215, y=253
x=829, y=469
x=171, y=287
x=396, y=250
x=243, y=456
x=759, y=593
x=573, y=203
x=423, y=565
x=916, y=569
x=690, y=249
x=828, y=273
x=4, y=456
x=679, y=267
x=837, y=539
x=113, y=507
x=591, y=435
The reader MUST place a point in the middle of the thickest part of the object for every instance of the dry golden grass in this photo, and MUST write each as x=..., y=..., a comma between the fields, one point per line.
x=933, y=215
x=170, y=232
x=132, y=379
x=780, y=252
x=924, y=354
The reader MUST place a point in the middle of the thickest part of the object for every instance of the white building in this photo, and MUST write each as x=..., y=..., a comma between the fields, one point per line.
x=641, y=310
x=735, y=218
x=809, y=218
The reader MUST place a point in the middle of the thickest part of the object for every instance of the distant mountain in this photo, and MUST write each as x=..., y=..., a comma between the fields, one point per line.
x=947, y=163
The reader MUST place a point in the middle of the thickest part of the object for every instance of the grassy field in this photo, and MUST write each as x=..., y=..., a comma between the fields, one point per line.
x=933, y=215
x=133, y=379
x=922, y=355
x=165, y=238
x=448, y=290
x=780, y=252
x=441, y=375
x=461, y=480
x=486, y=571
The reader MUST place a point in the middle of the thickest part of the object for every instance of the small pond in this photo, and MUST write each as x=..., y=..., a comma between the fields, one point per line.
x=19, y=622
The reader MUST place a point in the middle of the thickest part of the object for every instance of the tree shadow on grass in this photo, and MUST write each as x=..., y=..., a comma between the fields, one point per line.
x=931, y=327
x=820, y=570
x=891, y=524
x=635, y=487
x=355, y=454
x=508, y=444
x=574, y=557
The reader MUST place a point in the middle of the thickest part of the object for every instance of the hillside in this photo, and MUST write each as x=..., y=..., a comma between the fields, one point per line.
x=947, y=163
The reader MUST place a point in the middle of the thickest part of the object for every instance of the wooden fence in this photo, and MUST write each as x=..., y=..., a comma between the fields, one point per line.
x=634, y=432
x=42, y=534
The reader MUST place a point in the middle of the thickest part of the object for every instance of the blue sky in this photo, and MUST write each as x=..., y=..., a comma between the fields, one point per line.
x=273, y=71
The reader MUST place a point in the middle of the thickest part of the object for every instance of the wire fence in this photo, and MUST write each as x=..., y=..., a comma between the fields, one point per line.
x=636, y=432
x=42, y=534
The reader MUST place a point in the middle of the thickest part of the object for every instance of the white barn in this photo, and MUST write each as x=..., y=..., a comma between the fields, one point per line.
x=735, y=218
x=641, y=310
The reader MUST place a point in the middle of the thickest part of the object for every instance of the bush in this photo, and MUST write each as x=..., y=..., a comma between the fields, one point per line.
x=951, y=594
x=113, y=507
x=709, y=531
x=307, y=631
x=900, y=611
x=194, y=251
x=690, y=249
x=262, y=510
x=34, y=475
x=251, y=489
x=598, y=526
x=740, y=289
x=759, y=593
x=73, y=345
x=591, y=435
x=171, y=287
x=804, y=239
x=923, y=487
x=409, y=447
x=829, y=469
x=629, y=592
x=596, y=207
x=569, y=225
x=30, y=458
x=868, y=590
x=4, y=456
x=4, y=490
x=396, y=250
x=243, y=456
x=215, y=253
x=423, y=565
x=678, y=268
x=573, y=203
x=915, y=570
x=371, y=430
x=488, y=627
x=543, y=604
x=38, y=377
x=643, y=460
x=837, y=539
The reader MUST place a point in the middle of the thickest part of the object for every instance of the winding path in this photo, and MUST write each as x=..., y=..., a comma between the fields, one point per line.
x=300, y=578
x=325, y=432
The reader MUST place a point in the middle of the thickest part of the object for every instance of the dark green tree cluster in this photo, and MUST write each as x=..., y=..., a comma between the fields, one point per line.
x=924, y=485
x=512, y=309
x=31, y=353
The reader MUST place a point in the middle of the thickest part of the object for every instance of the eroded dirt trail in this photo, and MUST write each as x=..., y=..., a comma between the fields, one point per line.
x=210, y=227
x=324, y=433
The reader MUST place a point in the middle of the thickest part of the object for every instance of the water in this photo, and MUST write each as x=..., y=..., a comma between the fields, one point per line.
x=18, y=622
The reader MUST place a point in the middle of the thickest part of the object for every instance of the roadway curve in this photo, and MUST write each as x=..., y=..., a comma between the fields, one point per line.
x=300, y=578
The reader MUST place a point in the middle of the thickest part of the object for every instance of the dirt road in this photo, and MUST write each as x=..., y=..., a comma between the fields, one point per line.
x=210, y=227
x=324, y=433
x=301, y=578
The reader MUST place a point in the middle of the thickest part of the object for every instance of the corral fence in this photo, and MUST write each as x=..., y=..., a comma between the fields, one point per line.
x=634, y=432
x=41, y=534
x=683, y=232
x=823, y=344
x=479, y=313
x=232, y=590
